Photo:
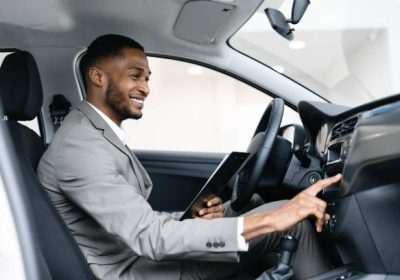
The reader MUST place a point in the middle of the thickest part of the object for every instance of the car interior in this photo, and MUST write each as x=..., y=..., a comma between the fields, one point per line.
x=41, y=45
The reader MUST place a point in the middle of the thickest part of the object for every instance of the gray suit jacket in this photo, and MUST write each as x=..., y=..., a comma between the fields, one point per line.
x=101, y=190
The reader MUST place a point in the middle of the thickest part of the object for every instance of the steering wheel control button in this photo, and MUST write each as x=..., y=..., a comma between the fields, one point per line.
x=222, y=244
x=215, y=244
x=208, y=244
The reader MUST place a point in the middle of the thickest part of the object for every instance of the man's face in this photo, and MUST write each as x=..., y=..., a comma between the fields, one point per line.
x=127, y=85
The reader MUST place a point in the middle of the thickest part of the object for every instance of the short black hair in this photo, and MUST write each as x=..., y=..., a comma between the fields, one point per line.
x=106, y=46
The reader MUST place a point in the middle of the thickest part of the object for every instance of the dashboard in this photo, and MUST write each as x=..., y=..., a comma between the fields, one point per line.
x=332, y=129
x=363, y=144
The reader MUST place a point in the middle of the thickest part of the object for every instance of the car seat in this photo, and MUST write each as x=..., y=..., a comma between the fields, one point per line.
x=21, y=96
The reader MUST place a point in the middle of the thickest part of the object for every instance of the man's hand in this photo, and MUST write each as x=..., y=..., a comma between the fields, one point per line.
x=215, y=209
x=300, y=207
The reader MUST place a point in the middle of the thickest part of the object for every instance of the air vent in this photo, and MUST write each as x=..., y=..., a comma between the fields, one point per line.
x=344, y=128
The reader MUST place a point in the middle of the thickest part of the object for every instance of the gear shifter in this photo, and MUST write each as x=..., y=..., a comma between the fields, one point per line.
x=283, y=269
x=288, y=246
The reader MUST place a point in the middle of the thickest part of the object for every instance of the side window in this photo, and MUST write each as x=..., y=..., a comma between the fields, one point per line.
x=33, y=124
x=192, y=108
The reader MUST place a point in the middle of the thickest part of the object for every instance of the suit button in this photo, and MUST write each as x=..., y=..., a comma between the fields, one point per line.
x=209, y=244
x=215, y=244
x=222, y=244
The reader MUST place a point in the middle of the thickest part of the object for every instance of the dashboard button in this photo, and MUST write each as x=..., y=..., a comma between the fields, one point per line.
x=313, y=178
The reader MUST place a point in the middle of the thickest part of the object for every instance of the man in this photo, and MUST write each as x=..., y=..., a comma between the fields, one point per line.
x=100, y=189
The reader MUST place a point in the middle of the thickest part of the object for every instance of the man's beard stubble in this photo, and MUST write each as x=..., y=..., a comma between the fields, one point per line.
x=115, y=99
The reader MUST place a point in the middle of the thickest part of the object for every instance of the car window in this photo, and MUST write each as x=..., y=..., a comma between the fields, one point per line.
x=193, y=108
x=32, y=124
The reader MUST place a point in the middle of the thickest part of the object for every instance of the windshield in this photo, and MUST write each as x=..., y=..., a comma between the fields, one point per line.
x=344, y=50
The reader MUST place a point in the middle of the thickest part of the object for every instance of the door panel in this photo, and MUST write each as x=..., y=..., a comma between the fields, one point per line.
x=177, y=176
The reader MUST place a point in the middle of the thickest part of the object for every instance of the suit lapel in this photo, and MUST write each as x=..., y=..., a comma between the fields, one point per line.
x=99, y=123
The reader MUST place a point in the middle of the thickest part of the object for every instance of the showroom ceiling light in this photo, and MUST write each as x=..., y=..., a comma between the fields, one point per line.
x=297, y=45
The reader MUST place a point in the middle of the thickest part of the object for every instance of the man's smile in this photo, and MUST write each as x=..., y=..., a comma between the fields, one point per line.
x=137, y=100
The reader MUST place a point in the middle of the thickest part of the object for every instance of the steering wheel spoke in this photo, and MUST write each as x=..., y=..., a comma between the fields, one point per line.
x=260, y=148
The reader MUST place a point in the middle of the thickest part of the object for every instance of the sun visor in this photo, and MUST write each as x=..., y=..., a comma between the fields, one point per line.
x=199, y=21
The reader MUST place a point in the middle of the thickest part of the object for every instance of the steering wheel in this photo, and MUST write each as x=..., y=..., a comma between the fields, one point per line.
x=260, y=149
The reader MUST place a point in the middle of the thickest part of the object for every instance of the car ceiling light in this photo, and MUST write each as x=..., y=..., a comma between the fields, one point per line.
x=278, y=68
x=297, y=45
x=195, y=70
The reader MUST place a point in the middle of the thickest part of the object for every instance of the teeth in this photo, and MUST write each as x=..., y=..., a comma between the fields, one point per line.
x=138, y=100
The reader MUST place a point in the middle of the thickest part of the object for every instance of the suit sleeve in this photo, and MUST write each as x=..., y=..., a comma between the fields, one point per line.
x=173, y=215
x=88, y=175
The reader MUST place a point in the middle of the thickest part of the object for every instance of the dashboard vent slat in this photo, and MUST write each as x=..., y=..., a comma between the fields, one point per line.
x=344, y=128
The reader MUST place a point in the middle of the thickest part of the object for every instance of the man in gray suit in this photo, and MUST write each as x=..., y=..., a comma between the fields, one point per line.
x=101, y=190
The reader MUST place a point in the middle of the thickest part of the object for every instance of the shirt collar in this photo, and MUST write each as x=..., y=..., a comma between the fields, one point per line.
x=121, y=134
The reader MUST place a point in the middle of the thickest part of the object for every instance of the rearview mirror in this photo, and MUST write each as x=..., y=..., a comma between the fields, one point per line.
x=279, y=22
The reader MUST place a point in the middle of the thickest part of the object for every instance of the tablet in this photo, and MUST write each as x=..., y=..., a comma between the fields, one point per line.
x=216, y=183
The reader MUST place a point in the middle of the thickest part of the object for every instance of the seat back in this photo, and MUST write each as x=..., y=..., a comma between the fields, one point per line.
x=21, y=95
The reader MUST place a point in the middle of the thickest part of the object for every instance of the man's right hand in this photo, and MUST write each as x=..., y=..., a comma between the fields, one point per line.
x=300, y=207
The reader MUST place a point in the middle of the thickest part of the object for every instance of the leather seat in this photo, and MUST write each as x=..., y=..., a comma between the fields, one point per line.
x=21, y=95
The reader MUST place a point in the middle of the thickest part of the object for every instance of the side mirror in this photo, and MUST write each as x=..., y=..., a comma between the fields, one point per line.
x=280, y=24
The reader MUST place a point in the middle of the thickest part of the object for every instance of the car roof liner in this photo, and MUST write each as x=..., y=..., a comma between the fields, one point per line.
x=191, y=25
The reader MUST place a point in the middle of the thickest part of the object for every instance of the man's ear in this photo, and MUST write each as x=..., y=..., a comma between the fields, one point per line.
x=97, y=77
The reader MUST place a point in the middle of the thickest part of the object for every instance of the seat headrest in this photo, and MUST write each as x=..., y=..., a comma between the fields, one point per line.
x=20, y=87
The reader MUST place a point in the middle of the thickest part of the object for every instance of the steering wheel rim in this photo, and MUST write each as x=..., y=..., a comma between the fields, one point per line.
x=260, y=149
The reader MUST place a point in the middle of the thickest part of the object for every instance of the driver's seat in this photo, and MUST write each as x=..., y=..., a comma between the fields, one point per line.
x=21, y=95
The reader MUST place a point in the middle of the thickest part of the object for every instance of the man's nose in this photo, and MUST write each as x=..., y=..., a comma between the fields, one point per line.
x=144, y=87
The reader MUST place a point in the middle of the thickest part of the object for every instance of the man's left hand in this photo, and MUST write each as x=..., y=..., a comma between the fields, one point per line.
x=215, y=209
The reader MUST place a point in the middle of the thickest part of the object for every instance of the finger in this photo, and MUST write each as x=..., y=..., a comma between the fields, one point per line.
x=327, y=217
x=321, y=184
x=212, y=216
x=207, y=210
x=203, y=211
x=319, y=222
x=214, y=201
x=215, y=209
x=319, y=225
